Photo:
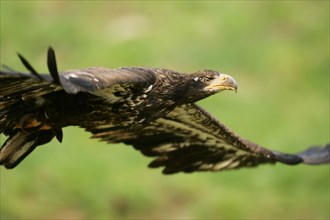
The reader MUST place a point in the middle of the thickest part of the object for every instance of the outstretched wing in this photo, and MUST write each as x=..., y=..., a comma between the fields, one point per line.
x=188, y=139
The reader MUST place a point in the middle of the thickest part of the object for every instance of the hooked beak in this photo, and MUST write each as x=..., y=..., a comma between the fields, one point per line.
x=223, y=82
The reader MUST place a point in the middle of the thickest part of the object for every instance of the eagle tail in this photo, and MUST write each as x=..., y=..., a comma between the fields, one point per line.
x=20, y=144
x=312, y=156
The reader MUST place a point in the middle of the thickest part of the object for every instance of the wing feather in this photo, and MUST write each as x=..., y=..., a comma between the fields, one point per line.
x=94, y=79
x=189, y=139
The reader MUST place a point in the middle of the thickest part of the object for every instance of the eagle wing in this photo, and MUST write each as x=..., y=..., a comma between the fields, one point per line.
x=189, y=139
x=96, y=79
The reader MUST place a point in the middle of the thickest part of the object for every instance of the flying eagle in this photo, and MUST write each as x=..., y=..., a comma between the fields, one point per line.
x=152, y=109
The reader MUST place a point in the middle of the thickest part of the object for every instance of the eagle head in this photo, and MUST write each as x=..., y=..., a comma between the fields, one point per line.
x=204, y=83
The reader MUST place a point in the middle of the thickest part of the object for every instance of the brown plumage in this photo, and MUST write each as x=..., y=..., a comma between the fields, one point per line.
x=151, y=109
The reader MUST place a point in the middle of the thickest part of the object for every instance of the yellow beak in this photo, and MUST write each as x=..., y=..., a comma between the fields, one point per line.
x=223, y=82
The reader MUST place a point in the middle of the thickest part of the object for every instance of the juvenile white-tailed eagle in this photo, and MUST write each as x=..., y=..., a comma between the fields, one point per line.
x=151, y=109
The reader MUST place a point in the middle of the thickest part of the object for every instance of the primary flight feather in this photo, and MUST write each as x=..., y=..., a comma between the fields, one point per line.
x=151, y=109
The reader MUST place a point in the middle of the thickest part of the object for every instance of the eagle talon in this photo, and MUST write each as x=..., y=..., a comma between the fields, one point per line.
x=30, y=123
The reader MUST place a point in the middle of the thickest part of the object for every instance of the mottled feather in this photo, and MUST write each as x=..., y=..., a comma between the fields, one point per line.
x=189, y=139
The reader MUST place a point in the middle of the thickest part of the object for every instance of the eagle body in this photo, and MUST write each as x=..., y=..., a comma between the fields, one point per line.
x=151, y=109
x=151, y=95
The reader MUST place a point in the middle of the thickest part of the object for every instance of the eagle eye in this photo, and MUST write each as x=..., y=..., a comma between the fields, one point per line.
x=206, y=79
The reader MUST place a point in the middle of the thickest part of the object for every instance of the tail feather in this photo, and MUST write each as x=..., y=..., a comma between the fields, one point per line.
x=28, y=66
x=52, y=66
x=20, y=144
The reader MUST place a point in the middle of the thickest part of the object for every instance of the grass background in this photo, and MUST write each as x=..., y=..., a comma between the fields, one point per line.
x=277, y=51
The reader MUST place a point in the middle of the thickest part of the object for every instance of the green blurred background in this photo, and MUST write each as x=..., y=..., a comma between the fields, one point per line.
x=277, y=51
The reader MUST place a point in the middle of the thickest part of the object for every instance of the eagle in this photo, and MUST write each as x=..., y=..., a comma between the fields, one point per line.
x=152, y=109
